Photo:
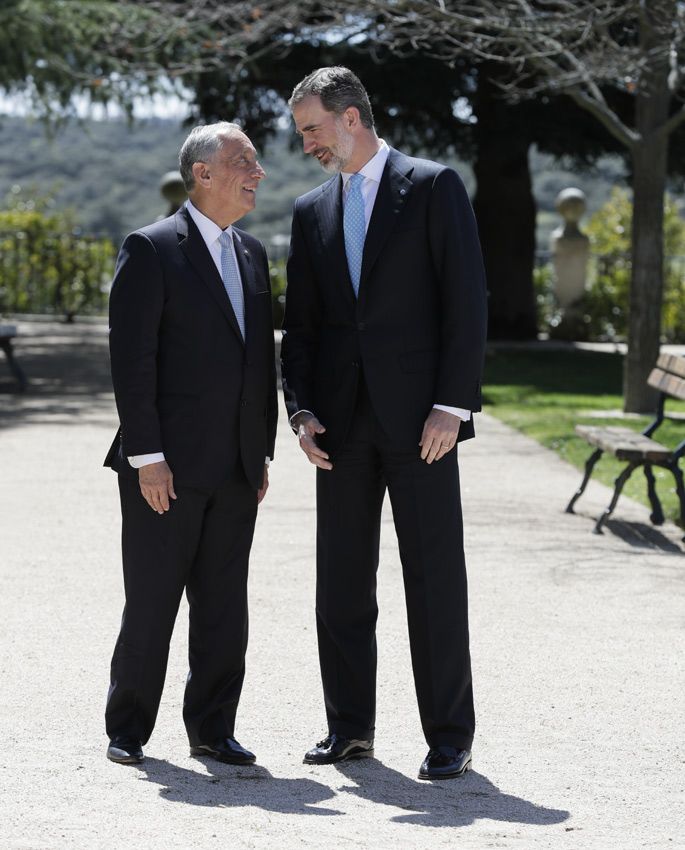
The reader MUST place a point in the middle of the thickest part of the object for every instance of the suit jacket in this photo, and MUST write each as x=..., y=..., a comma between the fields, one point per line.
x=417, y=328
x=185, y=382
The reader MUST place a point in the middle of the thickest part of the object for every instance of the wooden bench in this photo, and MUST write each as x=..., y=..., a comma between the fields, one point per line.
x=7, y=334
x=639, y=449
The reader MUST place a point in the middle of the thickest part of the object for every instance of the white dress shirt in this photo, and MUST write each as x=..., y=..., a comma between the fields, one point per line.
x=210, y=232
x=372, y=173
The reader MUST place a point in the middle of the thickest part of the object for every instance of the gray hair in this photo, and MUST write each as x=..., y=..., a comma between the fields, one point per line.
x=201, y=145
x=338, y=88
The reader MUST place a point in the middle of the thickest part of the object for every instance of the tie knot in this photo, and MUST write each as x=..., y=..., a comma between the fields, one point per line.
x=225, y=239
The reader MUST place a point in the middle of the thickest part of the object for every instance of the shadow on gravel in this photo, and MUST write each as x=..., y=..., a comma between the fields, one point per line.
x=459, y=802
x=642, y=536
x=227, y=785
x=456, y=802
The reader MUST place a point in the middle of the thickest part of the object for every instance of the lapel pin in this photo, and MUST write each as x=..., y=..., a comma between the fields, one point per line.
x=403, y=191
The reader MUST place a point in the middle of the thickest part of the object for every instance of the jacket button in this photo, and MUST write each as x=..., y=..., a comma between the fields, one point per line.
x=355, y=363
x=243, y=403
x=361, y=326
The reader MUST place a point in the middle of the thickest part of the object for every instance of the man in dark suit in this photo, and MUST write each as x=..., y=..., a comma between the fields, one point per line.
x=382, y=355
x=192, y=352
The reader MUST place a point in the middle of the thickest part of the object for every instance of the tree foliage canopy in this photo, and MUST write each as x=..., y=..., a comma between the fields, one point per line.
x=104, y=50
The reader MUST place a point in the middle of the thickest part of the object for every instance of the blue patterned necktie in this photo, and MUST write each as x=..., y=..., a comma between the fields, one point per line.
x=231, y=278
x=354, y=228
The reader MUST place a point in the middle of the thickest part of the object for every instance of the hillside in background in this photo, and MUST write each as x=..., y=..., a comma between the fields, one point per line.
x=109, y=173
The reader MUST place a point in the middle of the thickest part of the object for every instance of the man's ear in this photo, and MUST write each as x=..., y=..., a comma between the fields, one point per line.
x=201, y=173
x=351, y=117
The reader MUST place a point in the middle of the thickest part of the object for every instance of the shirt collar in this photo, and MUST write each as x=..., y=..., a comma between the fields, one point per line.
x=373, y=169
x=209, y=230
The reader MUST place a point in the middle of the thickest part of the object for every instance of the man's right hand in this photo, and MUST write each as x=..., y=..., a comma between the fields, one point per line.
x=308, y=426
x=157, y=485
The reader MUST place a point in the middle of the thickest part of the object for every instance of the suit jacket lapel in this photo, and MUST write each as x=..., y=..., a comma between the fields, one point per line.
x=193, y=246
x=393, y=192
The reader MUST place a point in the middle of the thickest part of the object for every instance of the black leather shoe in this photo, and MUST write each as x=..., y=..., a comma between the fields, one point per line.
x=336, y=748
x=227, y=750
x=125, y=751
x=445, y=763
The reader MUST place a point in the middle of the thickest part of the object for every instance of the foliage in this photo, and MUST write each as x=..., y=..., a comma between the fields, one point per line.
x=603, y=310
x=544, y=394
x=548, y=315
x=607, y=301
x=101, y=50
x=47, y=266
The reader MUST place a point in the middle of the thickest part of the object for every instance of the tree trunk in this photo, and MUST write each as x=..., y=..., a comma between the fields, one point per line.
x=505, y=211
x=649, y=158
x=646, y=289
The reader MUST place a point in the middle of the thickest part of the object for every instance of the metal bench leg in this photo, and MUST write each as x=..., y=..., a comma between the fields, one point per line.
x=589, y=466
x=15, y=368
x=657, y=515
x=680, y=488
x=620, y=481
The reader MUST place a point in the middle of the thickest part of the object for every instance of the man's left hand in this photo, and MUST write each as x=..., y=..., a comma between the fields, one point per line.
x=265, y=485
x=439, y=435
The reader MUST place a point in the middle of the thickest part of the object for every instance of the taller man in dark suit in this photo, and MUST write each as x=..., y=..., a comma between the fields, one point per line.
x=383, y=344
x=192, y=351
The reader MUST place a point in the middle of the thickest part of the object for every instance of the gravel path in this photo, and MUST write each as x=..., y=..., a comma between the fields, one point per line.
x=577, y=645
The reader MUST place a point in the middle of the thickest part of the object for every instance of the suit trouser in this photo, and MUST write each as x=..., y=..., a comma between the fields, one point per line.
x=201, y=544
x=426, y=509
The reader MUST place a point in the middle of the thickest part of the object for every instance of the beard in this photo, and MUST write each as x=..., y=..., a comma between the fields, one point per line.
x=340, y=153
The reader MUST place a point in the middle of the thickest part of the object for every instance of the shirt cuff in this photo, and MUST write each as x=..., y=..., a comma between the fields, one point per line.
x=137, y=461
x=267, y=461
x=290, y=421
x=464, y=415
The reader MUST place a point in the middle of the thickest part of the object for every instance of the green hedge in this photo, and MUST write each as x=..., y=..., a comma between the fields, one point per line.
x=47, y=266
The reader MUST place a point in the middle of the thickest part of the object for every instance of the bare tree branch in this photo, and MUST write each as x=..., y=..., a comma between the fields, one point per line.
x=673, y=122
x=607, y=117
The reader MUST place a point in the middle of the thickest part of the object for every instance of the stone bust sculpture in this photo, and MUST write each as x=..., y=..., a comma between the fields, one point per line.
x=570, y=248
x=173, y=191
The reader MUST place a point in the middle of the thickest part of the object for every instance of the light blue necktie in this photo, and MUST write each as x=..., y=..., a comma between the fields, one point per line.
x=354, y=227
x=231, y=278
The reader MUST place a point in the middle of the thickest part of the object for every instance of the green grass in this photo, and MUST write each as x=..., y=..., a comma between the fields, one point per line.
x=544, y=394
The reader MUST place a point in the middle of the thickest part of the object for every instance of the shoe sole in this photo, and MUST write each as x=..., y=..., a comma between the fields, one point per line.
x=126, y=759
x=454, y=775
x=198, y=751
x=361, y=754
